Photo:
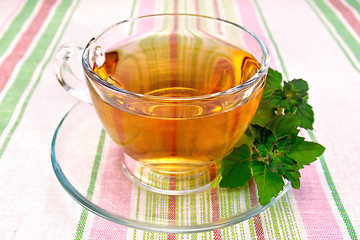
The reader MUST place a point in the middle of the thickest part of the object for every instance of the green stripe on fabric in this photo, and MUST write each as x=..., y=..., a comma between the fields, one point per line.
x=223, y=209
x=16, y=25
x=157, y=211
x=232, y=16
x=207, y=8
x=193, y=213
x=192, y=207
x=285, y=212
x=137, y=205
x=284, y=202
x=331, y=184
x=334, y=193
x=266, y=217
x=230, y=200
x=248, y=207
x=163, y=209
x=90, y=191
x=355, y=4
x=232, y=229
x=291, y=217
x=95, y=168
x=267, y=226
x=271, y=38
x=84, y=214
x=340, y=28
x=164, y=203
x=240, y=207
x=292, y=213
x=287, y=207
x=149, y=205
x=333, y=36
x=275, y=223
x=132, y=15
x=60, y=12
x=28, y=68
x=281, y=219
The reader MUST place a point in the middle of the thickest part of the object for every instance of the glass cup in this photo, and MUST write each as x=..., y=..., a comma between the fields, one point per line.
x=175, y=91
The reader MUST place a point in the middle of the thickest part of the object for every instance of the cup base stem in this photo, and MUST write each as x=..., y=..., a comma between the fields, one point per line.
x=177, y=183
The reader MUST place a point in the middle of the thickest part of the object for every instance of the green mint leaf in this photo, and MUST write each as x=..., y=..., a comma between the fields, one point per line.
x=276, y=78
x=305, y=115
x=278, y=100
x=264, y=114
x=279, y=149
x=293, y=98
x=290, y=170
x=263, y=141
x=285, y=125
x=304, y=152
x=273, y=82
x=273, y=150
x=263, y=150
x=281, y=146
x=272, y=138
x=287, y=90
x=275, y=163
x=247, y=138
x=261, y=134
x=269, y=145
x=268, y=183
x=235, y=168
x=238, y=154
x=296, y=89
x=300, y=86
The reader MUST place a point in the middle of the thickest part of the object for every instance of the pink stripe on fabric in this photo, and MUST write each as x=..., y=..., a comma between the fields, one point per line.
x=312, y=202
x=172, y=202
x=171, y=236
x=257, y=220
x=9, y=63
x=215, y=211
x=103, y=229
x=147, y=7
x=348, y=15
x=214, y=192
x=251, y=22
x=217, y=11
x=117, y=188
x=173, y=58
x=311, y=199
x=11, y=16
x=172, y=207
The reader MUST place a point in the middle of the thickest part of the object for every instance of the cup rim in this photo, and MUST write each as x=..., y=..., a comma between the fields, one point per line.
x=264, y=65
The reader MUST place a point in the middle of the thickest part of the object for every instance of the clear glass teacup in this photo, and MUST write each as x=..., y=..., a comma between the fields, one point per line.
x=174, y=91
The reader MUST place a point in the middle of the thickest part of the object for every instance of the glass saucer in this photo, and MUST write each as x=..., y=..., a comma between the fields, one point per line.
x=89, y=167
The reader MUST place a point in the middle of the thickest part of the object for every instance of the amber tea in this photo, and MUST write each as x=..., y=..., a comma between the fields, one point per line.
x=174, y=91
x=176, y=136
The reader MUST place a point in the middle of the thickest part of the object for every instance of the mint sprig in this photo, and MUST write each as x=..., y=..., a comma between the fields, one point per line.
x=271, y=150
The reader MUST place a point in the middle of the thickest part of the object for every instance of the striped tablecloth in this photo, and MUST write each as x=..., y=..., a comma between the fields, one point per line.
x=318, y=40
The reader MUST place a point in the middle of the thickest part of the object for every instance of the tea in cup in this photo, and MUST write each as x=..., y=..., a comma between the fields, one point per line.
x=174, y=91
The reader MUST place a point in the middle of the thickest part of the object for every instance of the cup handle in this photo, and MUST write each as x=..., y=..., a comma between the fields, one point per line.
x=69, y=72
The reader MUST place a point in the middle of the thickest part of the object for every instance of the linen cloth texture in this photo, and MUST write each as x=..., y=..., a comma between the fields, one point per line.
x=317, y=40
